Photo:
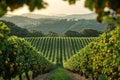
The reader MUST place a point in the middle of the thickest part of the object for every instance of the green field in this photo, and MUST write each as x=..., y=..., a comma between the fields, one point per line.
x=59, y=49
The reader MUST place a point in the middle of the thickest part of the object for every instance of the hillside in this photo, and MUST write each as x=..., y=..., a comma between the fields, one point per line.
x=55, y=24
x=21, y=32
x=16, y=30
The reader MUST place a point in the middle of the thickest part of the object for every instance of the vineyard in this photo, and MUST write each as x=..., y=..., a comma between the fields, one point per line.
x=99, y=60
x=59, y=49
x=94, y=58
x=17, y=57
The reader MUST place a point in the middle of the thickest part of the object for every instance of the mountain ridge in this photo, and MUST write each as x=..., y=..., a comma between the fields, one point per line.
x=56, y=24
x=62, y=16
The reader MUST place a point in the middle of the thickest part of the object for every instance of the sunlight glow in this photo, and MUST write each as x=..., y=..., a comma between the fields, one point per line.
x=56, y=7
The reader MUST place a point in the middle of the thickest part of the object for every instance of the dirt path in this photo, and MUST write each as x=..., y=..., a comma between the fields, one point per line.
x=44, y=76
x=74, y=76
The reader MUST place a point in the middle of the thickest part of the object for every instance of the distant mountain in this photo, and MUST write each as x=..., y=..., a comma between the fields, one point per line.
x=81, y=16
x=73, y=16
x=37, y=16
x=59, y=24
x=20, y=21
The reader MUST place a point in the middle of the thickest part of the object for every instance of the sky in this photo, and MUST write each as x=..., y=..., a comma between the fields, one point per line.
x=56, y=7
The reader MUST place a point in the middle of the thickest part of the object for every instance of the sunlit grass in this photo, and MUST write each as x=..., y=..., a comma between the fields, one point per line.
x=59, y=74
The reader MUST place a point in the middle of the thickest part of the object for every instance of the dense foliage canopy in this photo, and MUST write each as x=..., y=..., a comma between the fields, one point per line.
x=4, y=31
x=109, y=27
x=71, y=33
x=87, y=32
x=103, y=8
x=10, y=5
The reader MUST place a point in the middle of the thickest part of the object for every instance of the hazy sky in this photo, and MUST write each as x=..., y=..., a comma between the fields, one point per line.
x=56, y=7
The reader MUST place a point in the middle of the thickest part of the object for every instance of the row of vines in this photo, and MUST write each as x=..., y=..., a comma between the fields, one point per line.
x=59, y=49
x=100, y=60
x=17, y=56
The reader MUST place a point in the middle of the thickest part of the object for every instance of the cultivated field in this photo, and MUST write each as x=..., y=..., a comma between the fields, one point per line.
x=59, y=49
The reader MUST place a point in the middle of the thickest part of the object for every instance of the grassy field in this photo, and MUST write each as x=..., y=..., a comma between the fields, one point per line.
x=59, y=74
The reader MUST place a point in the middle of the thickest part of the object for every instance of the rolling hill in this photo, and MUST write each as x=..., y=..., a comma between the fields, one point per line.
x=21, y=32
x=55, y=23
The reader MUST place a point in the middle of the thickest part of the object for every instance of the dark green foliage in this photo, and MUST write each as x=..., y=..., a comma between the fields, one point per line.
x=34, y=33
x=90, y=32
x=15, y=4
x=4, y=32
x=71, y=33
x=109, y=27
x=99, y=5
x=51, y=34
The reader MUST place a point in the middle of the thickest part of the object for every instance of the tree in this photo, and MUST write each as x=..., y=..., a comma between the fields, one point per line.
x=109, y=27
x=71, y=33
x=101, y=5
x=103, y=8
x=52, y=34
x=90, y=32
x=35, y=33
x=10, y=5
